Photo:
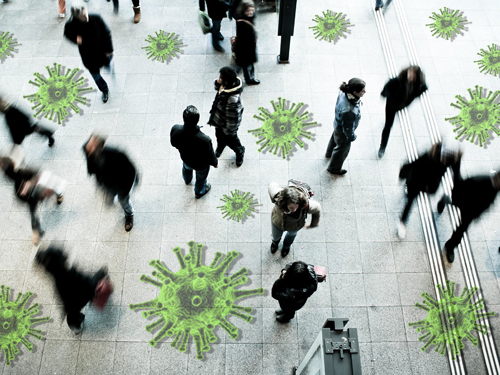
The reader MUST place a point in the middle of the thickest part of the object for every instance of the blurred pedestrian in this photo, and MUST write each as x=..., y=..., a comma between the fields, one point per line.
x=114, y=172
x=233, y=9
x=197, y=152
x=400, y=92
x=472, y=196
x=217, y=10
x=245, y=47
x=347, y=116
x=74, y=288
x=136, y=6
x=226, y=113
x=297, y=282
x=94, y=43
x=380, y=4
x=20, y=124
x=425, y=174
x=33, y=186
x=291, y=206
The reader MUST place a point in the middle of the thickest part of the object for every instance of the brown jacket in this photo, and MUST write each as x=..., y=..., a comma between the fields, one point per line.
x=287, y=222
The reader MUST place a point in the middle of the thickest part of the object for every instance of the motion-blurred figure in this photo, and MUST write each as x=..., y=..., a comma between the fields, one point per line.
x=425, y=174
x=20, y=125
x=74, y=287
x=114, y=172
x=94, y=43
x=472, y=196
x=245, y=47
x=217, y=10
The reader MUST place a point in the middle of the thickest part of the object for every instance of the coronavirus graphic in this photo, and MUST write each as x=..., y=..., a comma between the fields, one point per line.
x=6, y=44
x=330, y=26
x=477, y=116
x=162, y=47
x=282, y=127
x=16, y=322
x=447, y=23
x=57, y=93
x=450, y=320
x=195, y=299
x=490, y=61
x=237, y=206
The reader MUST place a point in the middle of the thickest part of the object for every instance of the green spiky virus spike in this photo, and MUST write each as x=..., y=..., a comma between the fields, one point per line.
x=282, y=127
x=330, y=26
x=162, y=47
x=6, y=44
x=490, y=61
x=194, y=300
x=16, y=322
x=447, y=23
x=477, y=116
x=450, y=320
x=57, y=93
x=237, y=206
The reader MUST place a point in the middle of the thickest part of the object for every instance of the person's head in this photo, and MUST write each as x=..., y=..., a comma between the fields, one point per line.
x=246, y=8
x=297, y=274
x=290, y=200
x=6, y=163
x=94, y=145
x=79, y=11
x=495, y=178
x=355, y=86
x=228, y=76
x=191, y=116
x=4, y=104
x=413, y=74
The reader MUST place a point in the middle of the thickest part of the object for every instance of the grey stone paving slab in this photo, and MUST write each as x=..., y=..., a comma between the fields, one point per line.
x=95, y=357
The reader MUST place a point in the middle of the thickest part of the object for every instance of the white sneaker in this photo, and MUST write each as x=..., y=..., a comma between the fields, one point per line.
x=62, y=15
x=401, y=230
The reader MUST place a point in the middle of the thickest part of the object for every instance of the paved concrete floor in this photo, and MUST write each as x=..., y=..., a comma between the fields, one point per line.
x=374, y=278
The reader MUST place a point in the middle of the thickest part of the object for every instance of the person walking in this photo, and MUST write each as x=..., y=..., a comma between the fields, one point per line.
x=217, y=10
x=196, y=150
x=75, y=288
x=19, y=124
x=296, y=284
x=472, y=196
x=136, y=6
x=114, y=172
x=245, y=47
x=425, y=174
x=400, y=92
x=226, y=113
x=93, y=38
x=291, y=206
x=347, y=116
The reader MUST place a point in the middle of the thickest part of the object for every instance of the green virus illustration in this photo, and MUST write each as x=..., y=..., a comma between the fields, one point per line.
x=447, y=23
x=57, y=93
x=6, y=44
x=282, y=127
x=195, y=299
x=477, y=116
x=450, y=320
x=16, y=322
x=490, y=61
x=163, y=46
x=330, y=26
x=237, y=206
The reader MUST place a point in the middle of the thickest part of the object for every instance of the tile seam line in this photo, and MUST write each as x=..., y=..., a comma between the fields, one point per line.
x=488, y=344
x=430, y=235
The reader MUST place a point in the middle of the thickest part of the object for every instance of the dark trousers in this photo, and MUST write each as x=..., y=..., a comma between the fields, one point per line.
x=289, y=310
x=412, y=195
x=338, y=149
x=134, y=3
x=201, y=178
x=96, y=75
x=390, y=114
x=232, y=141
x=248, y=72
x=40, y=130
x=216, y=32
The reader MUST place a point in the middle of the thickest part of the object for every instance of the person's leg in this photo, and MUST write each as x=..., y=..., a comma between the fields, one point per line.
x=378, y=4
x=216, y=34
x=75, y=319
x=36, y=226
x=45, y=132
x=246, y=73
x=456, y=237
x=289, y=238
x=390, y=114
x=445, y=199
x=62, y=8
x=187, y=173
x=285, y=316
x=137, y=11
x=387, y=3
x=221, y=141
x=234, y=143
x=339, y=153
x=201, y=181
x=410, y=198
x=276, y=233
x=100, y=82
x=331, y=146
x=115, y=6
x=128, y=209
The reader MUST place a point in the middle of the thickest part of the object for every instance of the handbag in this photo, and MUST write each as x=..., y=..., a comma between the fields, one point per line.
x=320, y=273
x=102, y=292
x=204, y=21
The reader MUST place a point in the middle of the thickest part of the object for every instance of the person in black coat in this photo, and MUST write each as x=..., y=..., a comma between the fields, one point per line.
x=245, y=48
x=114, y=172
x=472, y=196
x=74, y=288
x=94, y=43
x=197, y=152
x=400, y=92
x=425, y=174
x=20, y=125
x=296, y=284
x=217, y=10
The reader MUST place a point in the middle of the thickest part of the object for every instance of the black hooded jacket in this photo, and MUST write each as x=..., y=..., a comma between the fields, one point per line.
x=294, y=297
x=19, y=124
x=194, y=146
x=245, y=47
x=474, y=195
x=217, y=9
x=396, y=92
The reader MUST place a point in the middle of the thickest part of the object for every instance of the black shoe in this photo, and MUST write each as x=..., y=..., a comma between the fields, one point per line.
x=105, y=96
x=218, y=153
x=450, y=255
x=377, y=8
x=278, y=312
x=221, y=37
x=381, y=152
x=129, y=223
x=285, y=250
x=51, y=141
x=274, y=247
x=115, y=9
x=253, y=82
x=219, y=48
x=282, y=319
x=339, y=172
x=440, y=206
x=239, y=159
x=207, y=189
x=328, y=156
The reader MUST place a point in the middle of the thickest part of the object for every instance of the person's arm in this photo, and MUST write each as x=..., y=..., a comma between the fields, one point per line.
x=70, y=32
x=233, y=114
x=106, y=36
x=315, y=211
x=347, y=121
x=273, y=189
x=279, y=291
x=214, y=161
x=456, y=169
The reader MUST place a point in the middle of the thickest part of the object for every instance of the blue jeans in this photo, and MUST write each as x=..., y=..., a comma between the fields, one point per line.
x=201, y=178
x=100, y=82
x=379, y=3
x=277, y=233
